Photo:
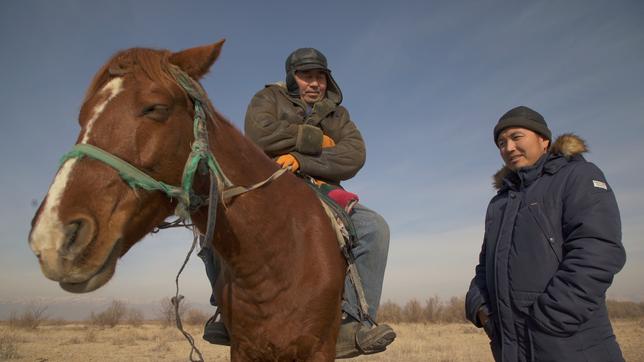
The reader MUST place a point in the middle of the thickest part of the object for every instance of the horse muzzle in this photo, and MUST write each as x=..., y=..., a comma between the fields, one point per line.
x=74, y=266
x=76, y=283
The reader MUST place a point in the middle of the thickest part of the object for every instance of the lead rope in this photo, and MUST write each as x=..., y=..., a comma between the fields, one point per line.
x=203, y=239
x=176, y=301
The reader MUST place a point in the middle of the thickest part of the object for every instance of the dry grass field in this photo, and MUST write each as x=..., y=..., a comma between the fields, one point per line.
x=151, y=342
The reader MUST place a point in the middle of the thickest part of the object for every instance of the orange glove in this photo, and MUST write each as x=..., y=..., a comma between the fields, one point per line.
x=327, y=142
x=287, y=161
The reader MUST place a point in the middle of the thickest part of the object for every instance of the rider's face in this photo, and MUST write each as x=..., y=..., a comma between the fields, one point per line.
x=312, y=85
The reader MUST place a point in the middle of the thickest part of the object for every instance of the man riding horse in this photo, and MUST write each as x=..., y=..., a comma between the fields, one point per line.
x=301, y=124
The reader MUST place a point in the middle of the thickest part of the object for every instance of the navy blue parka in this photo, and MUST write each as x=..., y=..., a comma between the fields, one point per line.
x=552, y=245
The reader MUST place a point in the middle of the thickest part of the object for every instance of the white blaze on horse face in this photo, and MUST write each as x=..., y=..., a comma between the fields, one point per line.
x=114, y=87
x=48, y=234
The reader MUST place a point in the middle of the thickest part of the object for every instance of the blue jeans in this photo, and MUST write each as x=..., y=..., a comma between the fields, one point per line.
x=370, y=253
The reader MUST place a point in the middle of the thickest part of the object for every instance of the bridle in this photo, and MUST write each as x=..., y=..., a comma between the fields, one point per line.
x=200, y=156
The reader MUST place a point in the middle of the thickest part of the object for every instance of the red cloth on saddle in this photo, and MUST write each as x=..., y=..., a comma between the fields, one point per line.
x=342, y=197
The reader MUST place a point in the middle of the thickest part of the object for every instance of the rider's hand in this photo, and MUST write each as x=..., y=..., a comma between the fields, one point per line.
x=327, y=142
x=287, y=160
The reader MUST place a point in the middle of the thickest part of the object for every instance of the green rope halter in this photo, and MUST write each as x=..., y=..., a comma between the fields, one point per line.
x=136, y=178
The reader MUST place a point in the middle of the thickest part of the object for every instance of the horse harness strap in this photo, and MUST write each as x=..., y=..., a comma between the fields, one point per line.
x=345, y=234
x=233, y=191
x=134, y=177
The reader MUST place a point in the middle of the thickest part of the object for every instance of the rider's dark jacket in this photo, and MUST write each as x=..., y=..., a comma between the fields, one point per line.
x=280, y=123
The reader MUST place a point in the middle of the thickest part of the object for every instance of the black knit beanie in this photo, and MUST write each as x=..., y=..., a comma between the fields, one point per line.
x=524, y=117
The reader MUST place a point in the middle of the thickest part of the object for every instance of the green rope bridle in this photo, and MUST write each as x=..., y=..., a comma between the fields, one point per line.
x=200, y=151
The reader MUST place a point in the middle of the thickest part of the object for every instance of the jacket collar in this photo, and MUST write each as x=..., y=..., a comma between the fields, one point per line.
x=320, y=109
x=567, y=147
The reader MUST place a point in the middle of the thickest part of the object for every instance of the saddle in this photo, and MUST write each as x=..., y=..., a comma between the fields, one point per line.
x=340, y=202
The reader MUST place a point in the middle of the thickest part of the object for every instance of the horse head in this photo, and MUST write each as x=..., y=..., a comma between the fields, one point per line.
x=134, y=109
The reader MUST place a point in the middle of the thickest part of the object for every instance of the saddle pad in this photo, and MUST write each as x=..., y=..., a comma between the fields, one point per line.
x=323, y=191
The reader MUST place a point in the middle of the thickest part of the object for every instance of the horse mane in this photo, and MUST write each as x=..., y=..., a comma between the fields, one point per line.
x=155, y=65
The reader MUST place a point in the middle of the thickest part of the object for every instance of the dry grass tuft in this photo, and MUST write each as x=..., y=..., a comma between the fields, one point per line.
x=134, y=317
x=624, y=309
x=123, y=340
x=73, y=340
x=31, y=317
x=195, y=317
x=161, y=346
x=111, y=316
x=90, y=336
x=434, y=310
x=8, y=347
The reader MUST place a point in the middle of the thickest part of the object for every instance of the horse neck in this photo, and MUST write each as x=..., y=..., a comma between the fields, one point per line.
x=241, y=161
x=248, y=235
x=245, y=164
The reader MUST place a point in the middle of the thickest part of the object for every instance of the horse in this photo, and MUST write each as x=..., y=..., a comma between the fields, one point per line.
x=282, y=279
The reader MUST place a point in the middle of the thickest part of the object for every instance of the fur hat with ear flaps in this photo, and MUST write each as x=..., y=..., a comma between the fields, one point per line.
x=566, y=145
x=307, y=59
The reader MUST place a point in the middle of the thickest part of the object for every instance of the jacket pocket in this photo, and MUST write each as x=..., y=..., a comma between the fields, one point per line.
x=546, y=347
x=522, y=300
x=548, y=232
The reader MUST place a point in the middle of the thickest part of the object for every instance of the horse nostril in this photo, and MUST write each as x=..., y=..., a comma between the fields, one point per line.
x=78, y=235
x=71, y=233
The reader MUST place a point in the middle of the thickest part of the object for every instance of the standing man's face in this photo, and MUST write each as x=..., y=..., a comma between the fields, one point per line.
x=521, y=147
x=312, y=85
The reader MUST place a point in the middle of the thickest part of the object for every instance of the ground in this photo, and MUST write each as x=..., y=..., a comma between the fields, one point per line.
x=151, y=342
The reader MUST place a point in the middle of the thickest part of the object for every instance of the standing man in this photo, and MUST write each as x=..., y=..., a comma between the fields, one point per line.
x=552, y=245
x=301, y=124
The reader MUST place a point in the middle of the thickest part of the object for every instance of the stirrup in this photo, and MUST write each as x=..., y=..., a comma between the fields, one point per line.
x=215, y=330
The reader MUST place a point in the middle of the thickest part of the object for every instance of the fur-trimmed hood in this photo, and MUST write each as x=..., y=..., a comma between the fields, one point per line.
x=566, y=145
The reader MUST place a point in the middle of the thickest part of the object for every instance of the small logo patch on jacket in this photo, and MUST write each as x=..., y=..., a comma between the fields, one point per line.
x=600, y=185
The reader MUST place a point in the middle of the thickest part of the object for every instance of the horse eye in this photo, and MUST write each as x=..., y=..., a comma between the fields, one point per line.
x=157, y=112
x=153, y=108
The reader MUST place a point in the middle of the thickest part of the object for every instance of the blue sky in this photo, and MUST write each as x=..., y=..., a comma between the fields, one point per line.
x=425, y=81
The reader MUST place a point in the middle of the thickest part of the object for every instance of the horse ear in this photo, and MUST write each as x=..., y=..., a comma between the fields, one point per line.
x=197, y=61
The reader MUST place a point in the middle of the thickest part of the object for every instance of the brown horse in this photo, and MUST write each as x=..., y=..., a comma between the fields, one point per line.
x=283, y=273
